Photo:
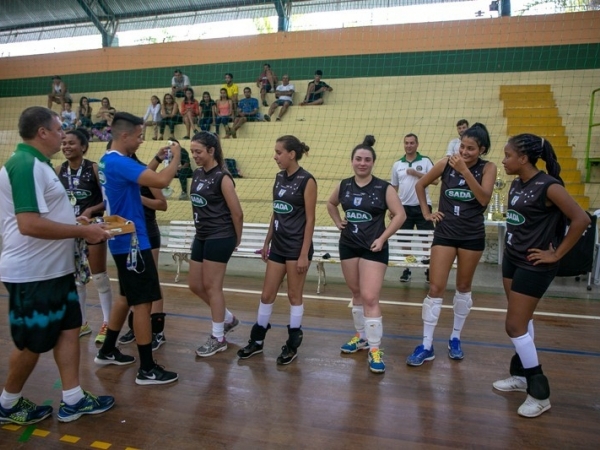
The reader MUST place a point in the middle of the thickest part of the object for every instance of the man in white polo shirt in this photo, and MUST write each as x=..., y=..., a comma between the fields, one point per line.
x=283, y=94
x=405, y=174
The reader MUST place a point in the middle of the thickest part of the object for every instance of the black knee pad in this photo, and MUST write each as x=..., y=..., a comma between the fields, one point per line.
x=516, y=366
x=158, y=322
x=295, y=336
x=258, y=333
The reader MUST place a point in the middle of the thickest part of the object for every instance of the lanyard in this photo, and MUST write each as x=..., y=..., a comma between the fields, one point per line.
x=134, y=250
x=74, y=182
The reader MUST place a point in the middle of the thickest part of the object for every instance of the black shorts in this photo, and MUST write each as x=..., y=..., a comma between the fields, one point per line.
x=414, y=218
x=348, y=252
x=140, y=286
x=154, y=241
x=476, y=245
x=40, y=310
x=527, y=282
x=217, y=250
x=275, y=257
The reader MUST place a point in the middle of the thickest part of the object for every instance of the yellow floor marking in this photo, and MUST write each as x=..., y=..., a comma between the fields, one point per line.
x=40, y=433
x=70, y=439
x=100, y=444
x=11, y=427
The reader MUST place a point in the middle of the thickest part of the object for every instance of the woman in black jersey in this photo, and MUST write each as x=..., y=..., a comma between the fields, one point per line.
x=537, y=205
x=79, y=176
x=288, y=247
x=467, y=186
x=152, y=200
x=218, y=218
x=364, y=251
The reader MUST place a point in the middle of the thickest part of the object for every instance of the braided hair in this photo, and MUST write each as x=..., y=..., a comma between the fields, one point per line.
x=535, y=148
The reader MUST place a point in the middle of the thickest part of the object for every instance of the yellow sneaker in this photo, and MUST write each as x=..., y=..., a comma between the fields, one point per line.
x=101, y=334
x=85, y=329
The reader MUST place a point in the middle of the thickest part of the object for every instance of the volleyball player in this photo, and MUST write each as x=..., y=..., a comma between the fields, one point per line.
x=288, y=247
x=467, y=186
x=364, y=250
x=79, y=176
x=219, y=219
x=537, y=205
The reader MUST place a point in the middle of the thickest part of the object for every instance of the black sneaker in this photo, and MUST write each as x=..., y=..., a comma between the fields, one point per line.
x=114, y=357
x=156, y=375
x=127, y=338
x=287, y=356
x=249, y=350
x=267, y=118
x=158, y=339
x=405, y=277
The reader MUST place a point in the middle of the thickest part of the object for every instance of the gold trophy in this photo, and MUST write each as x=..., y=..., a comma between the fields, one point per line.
x=497, y=206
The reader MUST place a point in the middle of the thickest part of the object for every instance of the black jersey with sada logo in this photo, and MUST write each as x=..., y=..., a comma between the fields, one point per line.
x=289, y=213
x=212, y=217
x=529, y=222
x=463, y=214
x=83, y=185
x=365, y=209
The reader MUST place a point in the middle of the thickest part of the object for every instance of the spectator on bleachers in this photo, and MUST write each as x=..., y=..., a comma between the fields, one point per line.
x=103, y=133
x=454, y=145
x=224, y=110
x=232, y=90
x=247, y=111
x=179, y=83
x=102, y=115
x=84, y=113
x=283, y=97
x=315, y=91
x=152, y=117
x=207, y=112
x=267, y=80
x=190, y=110
x=170, y=116
x=59, y=93
x=69, y=117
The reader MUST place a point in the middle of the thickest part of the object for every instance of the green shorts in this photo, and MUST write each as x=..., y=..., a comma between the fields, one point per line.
x=40, y=310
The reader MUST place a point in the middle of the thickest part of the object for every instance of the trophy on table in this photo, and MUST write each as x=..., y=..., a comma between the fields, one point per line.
x=496, y=209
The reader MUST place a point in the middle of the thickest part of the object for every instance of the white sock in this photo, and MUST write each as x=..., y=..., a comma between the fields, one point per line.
x=8, y=400
x=526, y=350
x=358, y=315
x=81, y=292
x=530, y=330
x=72, y=396
x=374, y=330
x=102, y=283
x=218, y=330
x=460, y=317
x=296, y=313
x=429, y=326
x=264, y=314
x=228, y=316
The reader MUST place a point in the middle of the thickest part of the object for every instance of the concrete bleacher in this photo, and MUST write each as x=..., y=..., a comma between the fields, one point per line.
x=387, y=107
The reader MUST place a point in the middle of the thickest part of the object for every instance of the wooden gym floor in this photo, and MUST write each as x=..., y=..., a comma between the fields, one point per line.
x=324, y=400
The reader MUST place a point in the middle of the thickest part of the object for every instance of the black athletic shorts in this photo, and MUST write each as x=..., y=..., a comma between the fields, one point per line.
x=275, y=257
x=217, y=250
x=154, y=241
x=476, y=245
x=40, y=310
x=347, y=252
x=142, y=285
x=527, y=282
x=414, y=218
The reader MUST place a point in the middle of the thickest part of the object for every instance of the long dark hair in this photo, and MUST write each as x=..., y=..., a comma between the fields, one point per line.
x=479, y=133
x=367, y=144
x=209, y=140
x=293, y=144
x=536, y=147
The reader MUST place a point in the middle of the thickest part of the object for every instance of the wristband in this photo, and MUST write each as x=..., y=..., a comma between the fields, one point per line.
x=158, y=160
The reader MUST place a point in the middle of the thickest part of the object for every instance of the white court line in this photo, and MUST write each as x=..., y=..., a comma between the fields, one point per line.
x=392, y=302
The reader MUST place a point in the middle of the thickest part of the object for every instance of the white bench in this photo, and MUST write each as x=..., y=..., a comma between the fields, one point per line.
x=408, y=248
x=178, y=241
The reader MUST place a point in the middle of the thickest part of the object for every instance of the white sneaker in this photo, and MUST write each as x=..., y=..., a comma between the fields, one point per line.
x=533, y=407
x=511, y=384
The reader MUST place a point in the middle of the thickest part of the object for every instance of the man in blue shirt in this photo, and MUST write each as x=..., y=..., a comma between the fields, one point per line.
x=121, y=177
x=247, y=111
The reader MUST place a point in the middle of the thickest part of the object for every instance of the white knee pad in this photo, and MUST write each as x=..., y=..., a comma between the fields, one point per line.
x=374, y=330
x=358, y=316
x=462, y=303
x=432, y=307
x=102, y=282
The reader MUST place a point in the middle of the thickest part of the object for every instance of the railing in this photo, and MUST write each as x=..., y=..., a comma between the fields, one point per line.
x=589, y=162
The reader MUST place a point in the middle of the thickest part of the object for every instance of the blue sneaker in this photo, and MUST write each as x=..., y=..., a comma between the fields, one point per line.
x=89, y=404
x=376, y=364
x=355, y=344
x=454, y=350
x=25, y=412
x=419, y=356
